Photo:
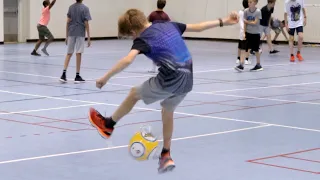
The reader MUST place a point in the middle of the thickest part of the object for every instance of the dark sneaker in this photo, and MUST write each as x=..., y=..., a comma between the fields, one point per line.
x=98, y=121
x=34, y=53
x=257, y=68
x=274, y=52
x=63, y=78
x=165, y=163
x=78, y=79
x=239, y=68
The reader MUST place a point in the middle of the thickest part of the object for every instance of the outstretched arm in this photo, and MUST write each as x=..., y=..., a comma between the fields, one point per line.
x=233, y=18
x=52, y=4
x=120, y=66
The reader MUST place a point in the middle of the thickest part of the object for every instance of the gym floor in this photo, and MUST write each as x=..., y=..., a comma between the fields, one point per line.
x=245, y=126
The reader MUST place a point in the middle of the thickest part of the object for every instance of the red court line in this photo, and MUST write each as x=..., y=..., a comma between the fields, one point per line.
x=286, y=167
x=11, y=120
x=297, y=152
x=302, y=159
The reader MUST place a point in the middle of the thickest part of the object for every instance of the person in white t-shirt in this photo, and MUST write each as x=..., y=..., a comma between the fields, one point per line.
x=295, y=19
x=242, y=46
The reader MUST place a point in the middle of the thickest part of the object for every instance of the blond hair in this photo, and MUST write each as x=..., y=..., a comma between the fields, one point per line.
x=132, y=21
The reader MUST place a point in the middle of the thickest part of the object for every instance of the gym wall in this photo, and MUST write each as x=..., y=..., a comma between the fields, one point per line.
x=105, y=14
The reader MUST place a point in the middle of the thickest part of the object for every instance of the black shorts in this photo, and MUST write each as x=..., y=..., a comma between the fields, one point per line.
x=298, y=30
x=242, y=45
x=253, y=41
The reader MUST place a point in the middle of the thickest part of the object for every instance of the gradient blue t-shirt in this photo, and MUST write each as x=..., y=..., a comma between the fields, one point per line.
x=162, y=42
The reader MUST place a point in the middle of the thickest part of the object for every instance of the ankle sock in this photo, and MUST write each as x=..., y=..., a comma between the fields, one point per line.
x=110, y=123
x=165, y=151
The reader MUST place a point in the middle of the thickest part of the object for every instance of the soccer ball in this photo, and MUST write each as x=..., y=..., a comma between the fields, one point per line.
x=143, y=146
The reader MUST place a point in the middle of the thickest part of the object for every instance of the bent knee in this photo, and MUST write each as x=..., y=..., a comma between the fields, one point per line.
x=134, y=94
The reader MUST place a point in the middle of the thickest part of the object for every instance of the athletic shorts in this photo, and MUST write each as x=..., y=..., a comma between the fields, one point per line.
x=253, y=41
x=76, y=44
x=266, y=30
x=277, y=30
x=150, y=91
x=293, y=30
x=44, y=32
x=242, y=45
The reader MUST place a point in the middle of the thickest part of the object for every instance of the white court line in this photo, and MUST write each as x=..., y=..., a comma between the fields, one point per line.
x=52, y=77
x=228, y=69
x=49, y=109
x=265, y=87
x=125, y=146
x=159, y=110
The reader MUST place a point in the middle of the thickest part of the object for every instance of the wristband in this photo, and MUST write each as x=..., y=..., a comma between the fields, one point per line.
x=221, y=23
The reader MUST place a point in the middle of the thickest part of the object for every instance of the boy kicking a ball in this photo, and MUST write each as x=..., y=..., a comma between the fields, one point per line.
x=161, y=42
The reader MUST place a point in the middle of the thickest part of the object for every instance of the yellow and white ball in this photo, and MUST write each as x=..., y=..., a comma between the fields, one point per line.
x=143, y=146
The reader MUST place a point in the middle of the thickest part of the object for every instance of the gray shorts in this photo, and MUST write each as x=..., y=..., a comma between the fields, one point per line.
x=150, y=91
x=76, y=44
x=266, y=30
x=44, y=32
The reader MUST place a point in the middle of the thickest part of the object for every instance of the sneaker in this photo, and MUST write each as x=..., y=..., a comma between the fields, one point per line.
x=45, y=52
x=165, y=163
x=300, y=58
x=238, y=61
x=98, y=121
x=258, y=67
x=78, y=79
x=239, y=68
x=292, y=59
x=246, y=62
x=34, y=53
x=274, y=52
x=63, y=78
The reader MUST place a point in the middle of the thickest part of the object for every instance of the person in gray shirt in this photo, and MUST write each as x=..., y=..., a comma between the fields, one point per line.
x=77, y=26
x=252, y=17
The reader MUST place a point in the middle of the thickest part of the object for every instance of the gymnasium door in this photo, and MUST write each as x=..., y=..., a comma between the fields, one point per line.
x=10, y=9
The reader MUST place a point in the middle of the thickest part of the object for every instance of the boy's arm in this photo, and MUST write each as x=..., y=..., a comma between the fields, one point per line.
x=88, y=32
x=232, y=19
x=52, y=4
x=67, y=25
x=120, y=66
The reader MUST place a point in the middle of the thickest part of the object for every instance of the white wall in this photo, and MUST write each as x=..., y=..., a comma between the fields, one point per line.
x=105, y=14
x=1, y=21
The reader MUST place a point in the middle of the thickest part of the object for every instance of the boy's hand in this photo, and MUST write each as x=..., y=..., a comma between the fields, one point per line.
x=233, y=18
x=101, y=82
x=89, y=42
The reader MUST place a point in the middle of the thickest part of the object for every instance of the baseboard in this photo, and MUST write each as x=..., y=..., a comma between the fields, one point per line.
x=63, y=39
x=1, y=43
x=236, y=40
x=186, y=38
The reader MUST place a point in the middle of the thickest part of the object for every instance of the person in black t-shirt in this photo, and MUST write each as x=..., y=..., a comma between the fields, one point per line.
x=266, y=12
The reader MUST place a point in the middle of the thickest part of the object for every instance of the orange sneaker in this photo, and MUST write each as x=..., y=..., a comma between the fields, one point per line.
x=300, y=58
x=165, y=163
x=99, y=122
x=292, y=59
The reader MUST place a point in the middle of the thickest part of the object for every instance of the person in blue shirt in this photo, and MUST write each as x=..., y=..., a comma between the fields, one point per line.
x=162, y=43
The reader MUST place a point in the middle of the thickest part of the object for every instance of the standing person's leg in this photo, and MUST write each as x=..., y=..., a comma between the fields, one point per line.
x=267, y=31
x=300, y=42
x=291, y=41
x=71, y=42
x=39, y=42
x=255, y=38
x=80, y=41
x=50, y=37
